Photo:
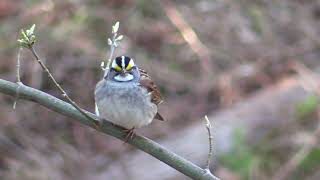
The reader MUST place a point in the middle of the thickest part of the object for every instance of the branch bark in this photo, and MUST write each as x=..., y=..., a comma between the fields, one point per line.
x=180, y=164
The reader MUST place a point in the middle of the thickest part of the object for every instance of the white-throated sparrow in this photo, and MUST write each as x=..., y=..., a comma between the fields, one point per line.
x=127, y=96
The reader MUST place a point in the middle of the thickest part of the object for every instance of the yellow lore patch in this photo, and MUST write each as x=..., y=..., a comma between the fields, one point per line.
x=117, y=68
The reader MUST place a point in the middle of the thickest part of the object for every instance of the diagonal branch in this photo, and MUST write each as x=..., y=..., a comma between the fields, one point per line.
x=180, y=164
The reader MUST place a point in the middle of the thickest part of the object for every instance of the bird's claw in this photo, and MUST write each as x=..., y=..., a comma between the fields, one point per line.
x=130, y=134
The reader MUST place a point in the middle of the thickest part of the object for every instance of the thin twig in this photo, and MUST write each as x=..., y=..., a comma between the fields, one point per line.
x=18, y=65
x=64, y=94
x=112, y=49
x=113, y=43
x=210, y=153
x=18, y=78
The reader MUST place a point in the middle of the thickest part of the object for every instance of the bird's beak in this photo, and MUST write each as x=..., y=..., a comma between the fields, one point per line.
x=123, y=72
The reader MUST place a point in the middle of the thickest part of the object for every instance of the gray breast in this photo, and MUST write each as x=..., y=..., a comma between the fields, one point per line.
x=125, y=104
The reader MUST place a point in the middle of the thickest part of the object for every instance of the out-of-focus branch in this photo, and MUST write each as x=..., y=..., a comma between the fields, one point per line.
x=180, y=164
x=188, y=34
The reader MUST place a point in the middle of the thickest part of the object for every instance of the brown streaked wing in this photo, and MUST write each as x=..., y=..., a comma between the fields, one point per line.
x=151, y=87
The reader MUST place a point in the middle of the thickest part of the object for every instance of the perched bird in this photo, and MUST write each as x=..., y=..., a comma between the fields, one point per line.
x=127, y=96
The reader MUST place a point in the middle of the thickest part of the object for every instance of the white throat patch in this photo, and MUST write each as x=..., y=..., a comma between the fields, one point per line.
x=127, y=77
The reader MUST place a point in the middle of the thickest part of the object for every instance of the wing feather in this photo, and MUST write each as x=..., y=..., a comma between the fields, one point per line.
x=151, y=87
x=147, y=83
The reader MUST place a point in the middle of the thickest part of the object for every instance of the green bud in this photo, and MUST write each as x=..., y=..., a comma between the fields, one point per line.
x=119, y=38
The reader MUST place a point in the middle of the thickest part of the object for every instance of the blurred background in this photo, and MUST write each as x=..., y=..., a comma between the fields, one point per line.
x=250, y=65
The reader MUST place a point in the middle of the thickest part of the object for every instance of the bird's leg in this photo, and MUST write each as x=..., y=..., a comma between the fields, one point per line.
x=130, y=134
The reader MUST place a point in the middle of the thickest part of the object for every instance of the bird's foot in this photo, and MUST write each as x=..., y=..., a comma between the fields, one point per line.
x=130, y=134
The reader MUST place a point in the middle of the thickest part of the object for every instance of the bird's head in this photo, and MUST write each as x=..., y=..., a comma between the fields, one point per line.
x=123, y=69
